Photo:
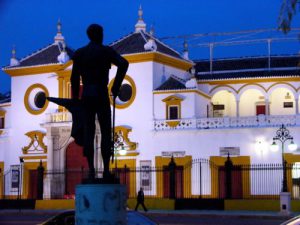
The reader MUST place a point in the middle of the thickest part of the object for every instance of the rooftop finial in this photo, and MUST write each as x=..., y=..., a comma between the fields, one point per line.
x=59, y=37
x=13, y=52
x=185, y=53
x=140, y=25
x=140, y=13
x=58, y=26
x=13, y=60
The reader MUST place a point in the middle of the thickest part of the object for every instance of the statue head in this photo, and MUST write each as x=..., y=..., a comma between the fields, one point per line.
x=95, y=33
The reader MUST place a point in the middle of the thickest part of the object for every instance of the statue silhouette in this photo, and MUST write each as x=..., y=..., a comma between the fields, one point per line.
x=91, y=65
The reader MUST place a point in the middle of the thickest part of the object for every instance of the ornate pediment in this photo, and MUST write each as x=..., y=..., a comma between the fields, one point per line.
x=122, y=141
x=36, y=144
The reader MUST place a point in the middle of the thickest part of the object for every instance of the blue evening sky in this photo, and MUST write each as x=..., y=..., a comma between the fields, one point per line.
x=31, y=24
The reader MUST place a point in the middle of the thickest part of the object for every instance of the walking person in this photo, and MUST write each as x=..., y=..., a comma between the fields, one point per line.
x=140, y=200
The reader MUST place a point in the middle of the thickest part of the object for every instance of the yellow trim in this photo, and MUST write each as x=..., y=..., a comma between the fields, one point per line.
x=240, y=81
x=131, y=164
x=1, y=131
x=159, y=58
x=1, y=179
x=2, y=113
x=124, y=131
x=35, y=70
x=160, y=162
x=220, y=86
x=153, y=203
x=173, y=123
x=183, y=91
x=26, y=168
x=252, y=84
x=35, y=136
x=26, y=99
x=55, y=204
x=252, y=205
x=130, y=101
x=173, y=100
x=295, y=89
x=237, y=160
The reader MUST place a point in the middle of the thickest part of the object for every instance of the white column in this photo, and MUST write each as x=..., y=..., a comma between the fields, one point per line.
x=49, y=152
x=237, y=108
x=267, y=105
x=48, y=179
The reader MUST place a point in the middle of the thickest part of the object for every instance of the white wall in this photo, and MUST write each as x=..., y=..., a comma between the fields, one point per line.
x=139, y=115
x=206, y=143
x=21, y=120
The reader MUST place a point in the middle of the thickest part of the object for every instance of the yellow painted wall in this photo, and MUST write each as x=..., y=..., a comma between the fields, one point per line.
x=160, y=162
x=55, y=204
x=252, y=205
x=237, y=160
x=153, y=203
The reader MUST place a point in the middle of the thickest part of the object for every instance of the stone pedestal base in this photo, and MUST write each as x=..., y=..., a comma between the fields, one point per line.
x=100, y=204
x=285, y=203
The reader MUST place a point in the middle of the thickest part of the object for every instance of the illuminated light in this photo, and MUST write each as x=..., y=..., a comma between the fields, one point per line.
x=274, y=147
x=122, y=151
x=292, y=146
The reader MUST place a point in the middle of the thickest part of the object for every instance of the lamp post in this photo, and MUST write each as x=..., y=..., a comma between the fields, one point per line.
x=282, y=135
x=119, y=147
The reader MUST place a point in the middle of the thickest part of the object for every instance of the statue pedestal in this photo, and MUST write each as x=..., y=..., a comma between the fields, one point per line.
x=100, y=204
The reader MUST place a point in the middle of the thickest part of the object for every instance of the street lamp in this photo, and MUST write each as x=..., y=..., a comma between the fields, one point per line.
x=282, y=135
x=119, y=147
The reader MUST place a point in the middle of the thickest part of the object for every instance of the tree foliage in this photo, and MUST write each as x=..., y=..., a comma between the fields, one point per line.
x=287, y=12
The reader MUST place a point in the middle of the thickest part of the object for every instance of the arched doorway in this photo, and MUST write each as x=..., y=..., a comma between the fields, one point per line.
x=76, y=167
x=224, y=104
x=282, y=102
x=252, y=102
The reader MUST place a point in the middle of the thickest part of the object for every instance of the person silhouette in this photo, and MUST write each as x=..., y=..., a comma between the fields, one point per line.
x=140, y=200
x=91, y=65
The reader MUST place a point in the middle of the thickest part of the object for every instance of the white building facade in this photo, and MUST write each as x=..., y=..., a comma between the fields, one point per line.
x=232, y=106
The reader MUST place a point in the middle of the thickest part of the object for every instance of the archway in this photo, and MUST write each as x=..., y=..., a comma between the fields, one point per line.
x=224, y=104
x=252, y=102
x=282, y=102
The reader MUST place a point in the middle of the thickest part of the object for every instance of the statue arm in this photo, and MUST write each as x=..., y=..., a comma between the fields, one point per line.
x=122, y=65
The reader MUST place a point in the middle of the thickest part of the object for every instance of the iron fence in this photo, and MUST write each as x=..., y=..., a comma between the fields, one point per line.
x=200, y=178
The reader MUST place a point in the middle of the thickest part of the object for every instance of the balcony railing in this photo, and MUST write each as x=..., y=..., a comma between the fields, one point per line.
x=204, y=123
x=58, y=117
x=229, y=122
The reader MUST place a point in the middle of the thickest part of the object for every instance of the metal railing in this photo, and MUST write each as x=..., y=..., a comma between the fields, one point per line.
x=200, y=178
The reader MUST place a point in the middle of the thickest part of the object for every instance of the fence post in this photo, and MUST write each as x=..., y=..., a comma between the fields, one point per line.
x=125, y=174
x=228, y=173
x=40, y=181
x=172, y=167
x=200, y=194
